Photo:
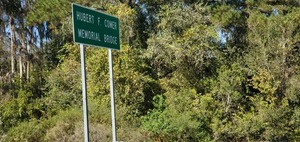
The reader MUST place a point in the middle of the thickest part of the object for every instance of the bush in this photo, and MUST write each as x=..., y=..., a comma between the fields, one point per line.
x=26, y=131
x=180, y=119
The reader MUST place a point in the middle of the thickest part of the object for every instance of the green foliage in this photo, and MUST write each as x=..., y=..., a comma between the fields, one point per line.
x=229, y=89
x=3, y=62
x=178, y=47
x=64, y=87
x=182, y=118
x=56, y=10
x=293, y=92
x=22, y=106
x=134, y=89
x=225, y=16
x=38, y=130
x=187, y=71
x=26, y=131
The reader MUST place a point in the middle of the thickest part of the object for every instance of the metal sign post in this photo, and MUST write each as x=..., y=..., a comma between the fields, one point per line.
x=84, y=97
x=112, y=96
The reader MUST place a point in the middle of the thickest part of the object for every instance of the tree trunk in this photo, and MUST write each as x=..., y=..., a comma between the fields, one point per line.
x=12, y=44
x=28, y=62
x=21, y=66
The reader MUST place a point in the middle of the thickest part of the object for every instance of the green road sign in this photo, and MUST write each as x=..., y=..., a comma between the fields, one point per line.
x=92, y=27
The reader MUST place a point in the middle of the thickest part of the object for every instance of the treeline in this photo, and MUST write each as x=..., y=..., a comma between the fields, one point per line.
x=188, y=70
